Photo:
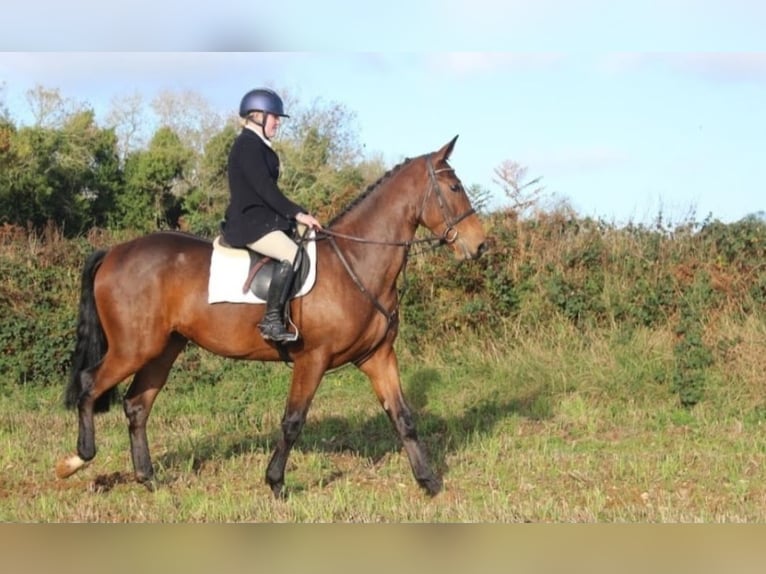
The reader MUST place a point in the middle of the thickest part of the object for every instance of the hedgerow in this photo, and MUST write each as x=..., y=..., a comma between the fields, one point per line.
x=550, y=267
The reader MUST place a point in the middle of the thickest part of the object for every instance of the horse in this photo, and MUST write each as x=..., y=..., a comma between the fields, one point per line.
x=142, y=300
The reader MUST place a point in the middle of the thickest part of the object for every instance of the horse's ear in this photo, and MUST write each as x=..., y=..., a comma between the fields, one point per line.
x=446, y=150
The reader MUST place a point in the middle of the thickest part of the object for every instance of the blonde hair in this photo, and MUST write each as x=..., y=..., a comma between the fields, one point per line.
x=253, y=117
x=256, y=116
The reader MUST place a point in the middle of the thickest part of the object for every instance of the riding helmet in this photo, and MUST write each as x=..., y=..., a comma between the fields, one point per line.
x=262, y=100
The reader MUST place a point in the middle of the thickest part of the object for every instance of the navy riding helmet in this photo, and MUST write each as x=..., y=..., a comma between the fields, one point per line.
x=262, y=100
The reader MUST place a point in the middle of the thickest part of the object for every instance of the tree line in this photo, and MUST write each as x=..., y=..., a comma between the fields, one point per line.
x=66, y=167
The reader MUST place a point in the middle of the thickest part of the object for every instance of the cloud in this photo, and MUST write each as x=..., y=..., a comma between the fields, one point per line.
x=136, y=25
x=574, y=160
x=239, y=25
x=716, y=67
x=163, y=69
x=736, y=67
x=470, y=63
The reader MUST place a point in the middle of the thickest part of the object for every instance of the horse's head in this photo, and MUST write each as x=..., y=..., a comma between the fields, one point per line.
x=446, y=208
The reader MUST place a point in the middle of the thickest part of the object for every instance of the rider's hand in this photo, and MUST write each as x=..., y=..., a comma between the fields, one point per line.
x=308, y=220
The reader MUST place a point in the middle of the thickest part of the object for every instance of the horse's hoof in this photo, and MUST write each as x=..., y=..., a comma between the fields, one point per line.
x=67, y=466
x=278, y=490
x=150, y=484
x=432, y=485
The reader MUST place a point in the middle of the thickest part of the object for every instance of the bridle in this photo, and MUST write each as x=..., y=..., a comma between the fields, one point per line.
x=450, y=233
x=448, y=236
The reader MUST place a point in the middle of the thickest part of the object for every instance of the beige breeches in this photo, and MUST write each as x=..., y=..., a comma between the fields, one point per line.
x=276, y=245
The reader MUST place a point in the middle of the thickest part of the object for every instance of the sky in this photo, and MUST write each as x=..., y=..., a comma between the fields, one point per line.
x=626, y=110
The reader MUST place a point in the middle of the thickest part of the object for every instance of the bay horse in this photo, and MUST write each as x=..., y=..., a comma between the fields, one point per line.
x=142, y=300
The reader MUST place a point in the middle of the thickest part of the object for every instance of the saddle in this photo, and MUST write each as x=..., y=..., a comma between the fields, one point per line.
x=261, y=271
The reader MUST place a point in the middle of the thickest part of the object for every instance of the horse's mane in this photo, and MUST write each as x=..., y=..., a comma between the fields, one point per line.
x=370, y=188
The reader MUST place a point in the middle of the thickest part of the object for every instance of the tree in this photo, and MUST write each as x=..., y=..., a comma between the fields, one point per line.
x=190, y=116
x=321, y=157
x=66, y=174
x=49, y=108
x=5, y=114
x=334, y=122
x=154, y=183
x=480, y=197
x=87, y=173
x=204, y=206
x=127, y=117
x=106, y=177
x=523, y=194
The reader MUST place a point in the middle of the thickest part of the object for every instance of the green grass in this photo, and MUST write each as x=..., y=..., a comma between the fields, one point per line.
x=558, y=427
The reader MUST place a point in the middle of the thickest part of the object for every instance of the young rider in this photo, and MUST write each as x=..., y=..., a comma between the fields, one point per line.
x=259, y=214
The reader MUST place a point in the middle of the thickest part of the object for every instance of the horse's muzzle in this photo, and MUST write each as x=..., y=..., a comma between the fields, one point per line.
x=464, y=251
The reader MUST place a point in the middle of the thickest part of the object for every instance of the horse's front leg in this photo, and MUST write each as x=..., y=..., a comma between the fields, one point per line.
x=383, y=370
x=307, y=374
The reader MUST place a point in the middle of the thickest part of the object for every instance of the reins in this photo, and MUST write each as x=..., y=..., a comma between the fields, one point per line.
x=358, y=282
x=332, y=234
x=450, y=234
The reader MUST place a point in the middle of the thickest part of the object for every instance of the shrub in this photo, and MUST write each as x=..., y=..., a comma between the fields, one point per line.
x=553, y=267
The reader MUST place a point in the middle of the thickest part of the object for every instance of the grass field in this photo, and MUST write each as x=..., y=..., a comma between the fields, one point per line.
x=557, y=427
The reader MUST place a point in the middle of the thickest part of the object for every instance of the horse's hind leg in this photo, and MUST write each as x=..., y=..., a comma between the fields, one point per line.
x=138, y=401
x=96, y=382
x=383, y=370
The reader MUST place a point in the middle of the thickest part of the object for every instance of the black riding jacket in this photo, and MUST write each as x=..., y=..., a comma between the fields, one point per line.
x=256, y=205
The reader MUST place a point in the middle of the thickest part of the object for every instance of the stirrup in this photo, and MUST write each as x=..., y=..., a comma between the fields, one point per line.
x=283, y=337
x=277, y=332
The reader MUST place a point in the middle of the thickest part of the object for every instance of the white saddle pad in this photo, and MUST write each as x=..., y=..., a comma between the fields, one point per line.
x=229, y=268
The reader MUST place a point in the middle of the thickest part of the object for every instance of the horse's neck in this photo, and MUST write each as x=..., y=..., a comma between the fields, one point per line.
x=389, y=217
x=383, y=223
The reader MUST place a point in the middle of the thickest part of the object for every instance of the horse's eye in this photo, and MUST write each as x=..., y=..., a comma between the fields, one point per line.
x=455, y=187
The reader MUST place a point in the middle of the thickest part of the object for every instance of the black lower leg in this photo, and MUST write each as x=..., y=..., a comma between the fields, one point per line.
x=405, y=426
x=139, y=447
x=86, y=440
x=86, y=435
x=292, y=424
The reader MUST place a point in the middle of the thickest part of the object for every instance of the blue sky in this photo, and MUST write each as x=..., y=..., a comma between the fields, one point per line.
x=400, y=25
x=624, y=109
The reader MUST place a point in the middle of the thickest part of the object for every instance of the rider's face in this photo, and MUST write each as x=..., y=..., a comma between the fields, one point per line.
x=271, y=125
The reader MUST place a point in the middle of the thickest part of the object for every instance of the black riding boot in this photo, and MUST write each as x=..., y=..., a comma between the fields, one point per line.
x=273, y=324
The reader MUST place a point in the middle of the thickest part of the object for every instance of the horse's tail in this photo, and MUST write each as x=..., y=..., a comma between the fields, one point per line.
x=91, y=342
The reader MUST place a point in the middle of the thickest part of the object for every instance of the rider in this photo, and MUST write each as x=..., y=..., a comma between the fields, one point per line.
x=259, y=214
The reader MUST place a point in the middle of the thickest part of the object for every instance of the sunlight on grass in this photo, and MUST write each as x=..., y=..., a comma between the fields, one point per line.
x=562, y=428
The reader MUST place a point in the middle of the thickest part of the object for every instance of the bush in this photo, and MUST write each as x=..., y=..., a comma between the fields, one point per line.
x=692, y=355
x=39, y=293
x=551, y=268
